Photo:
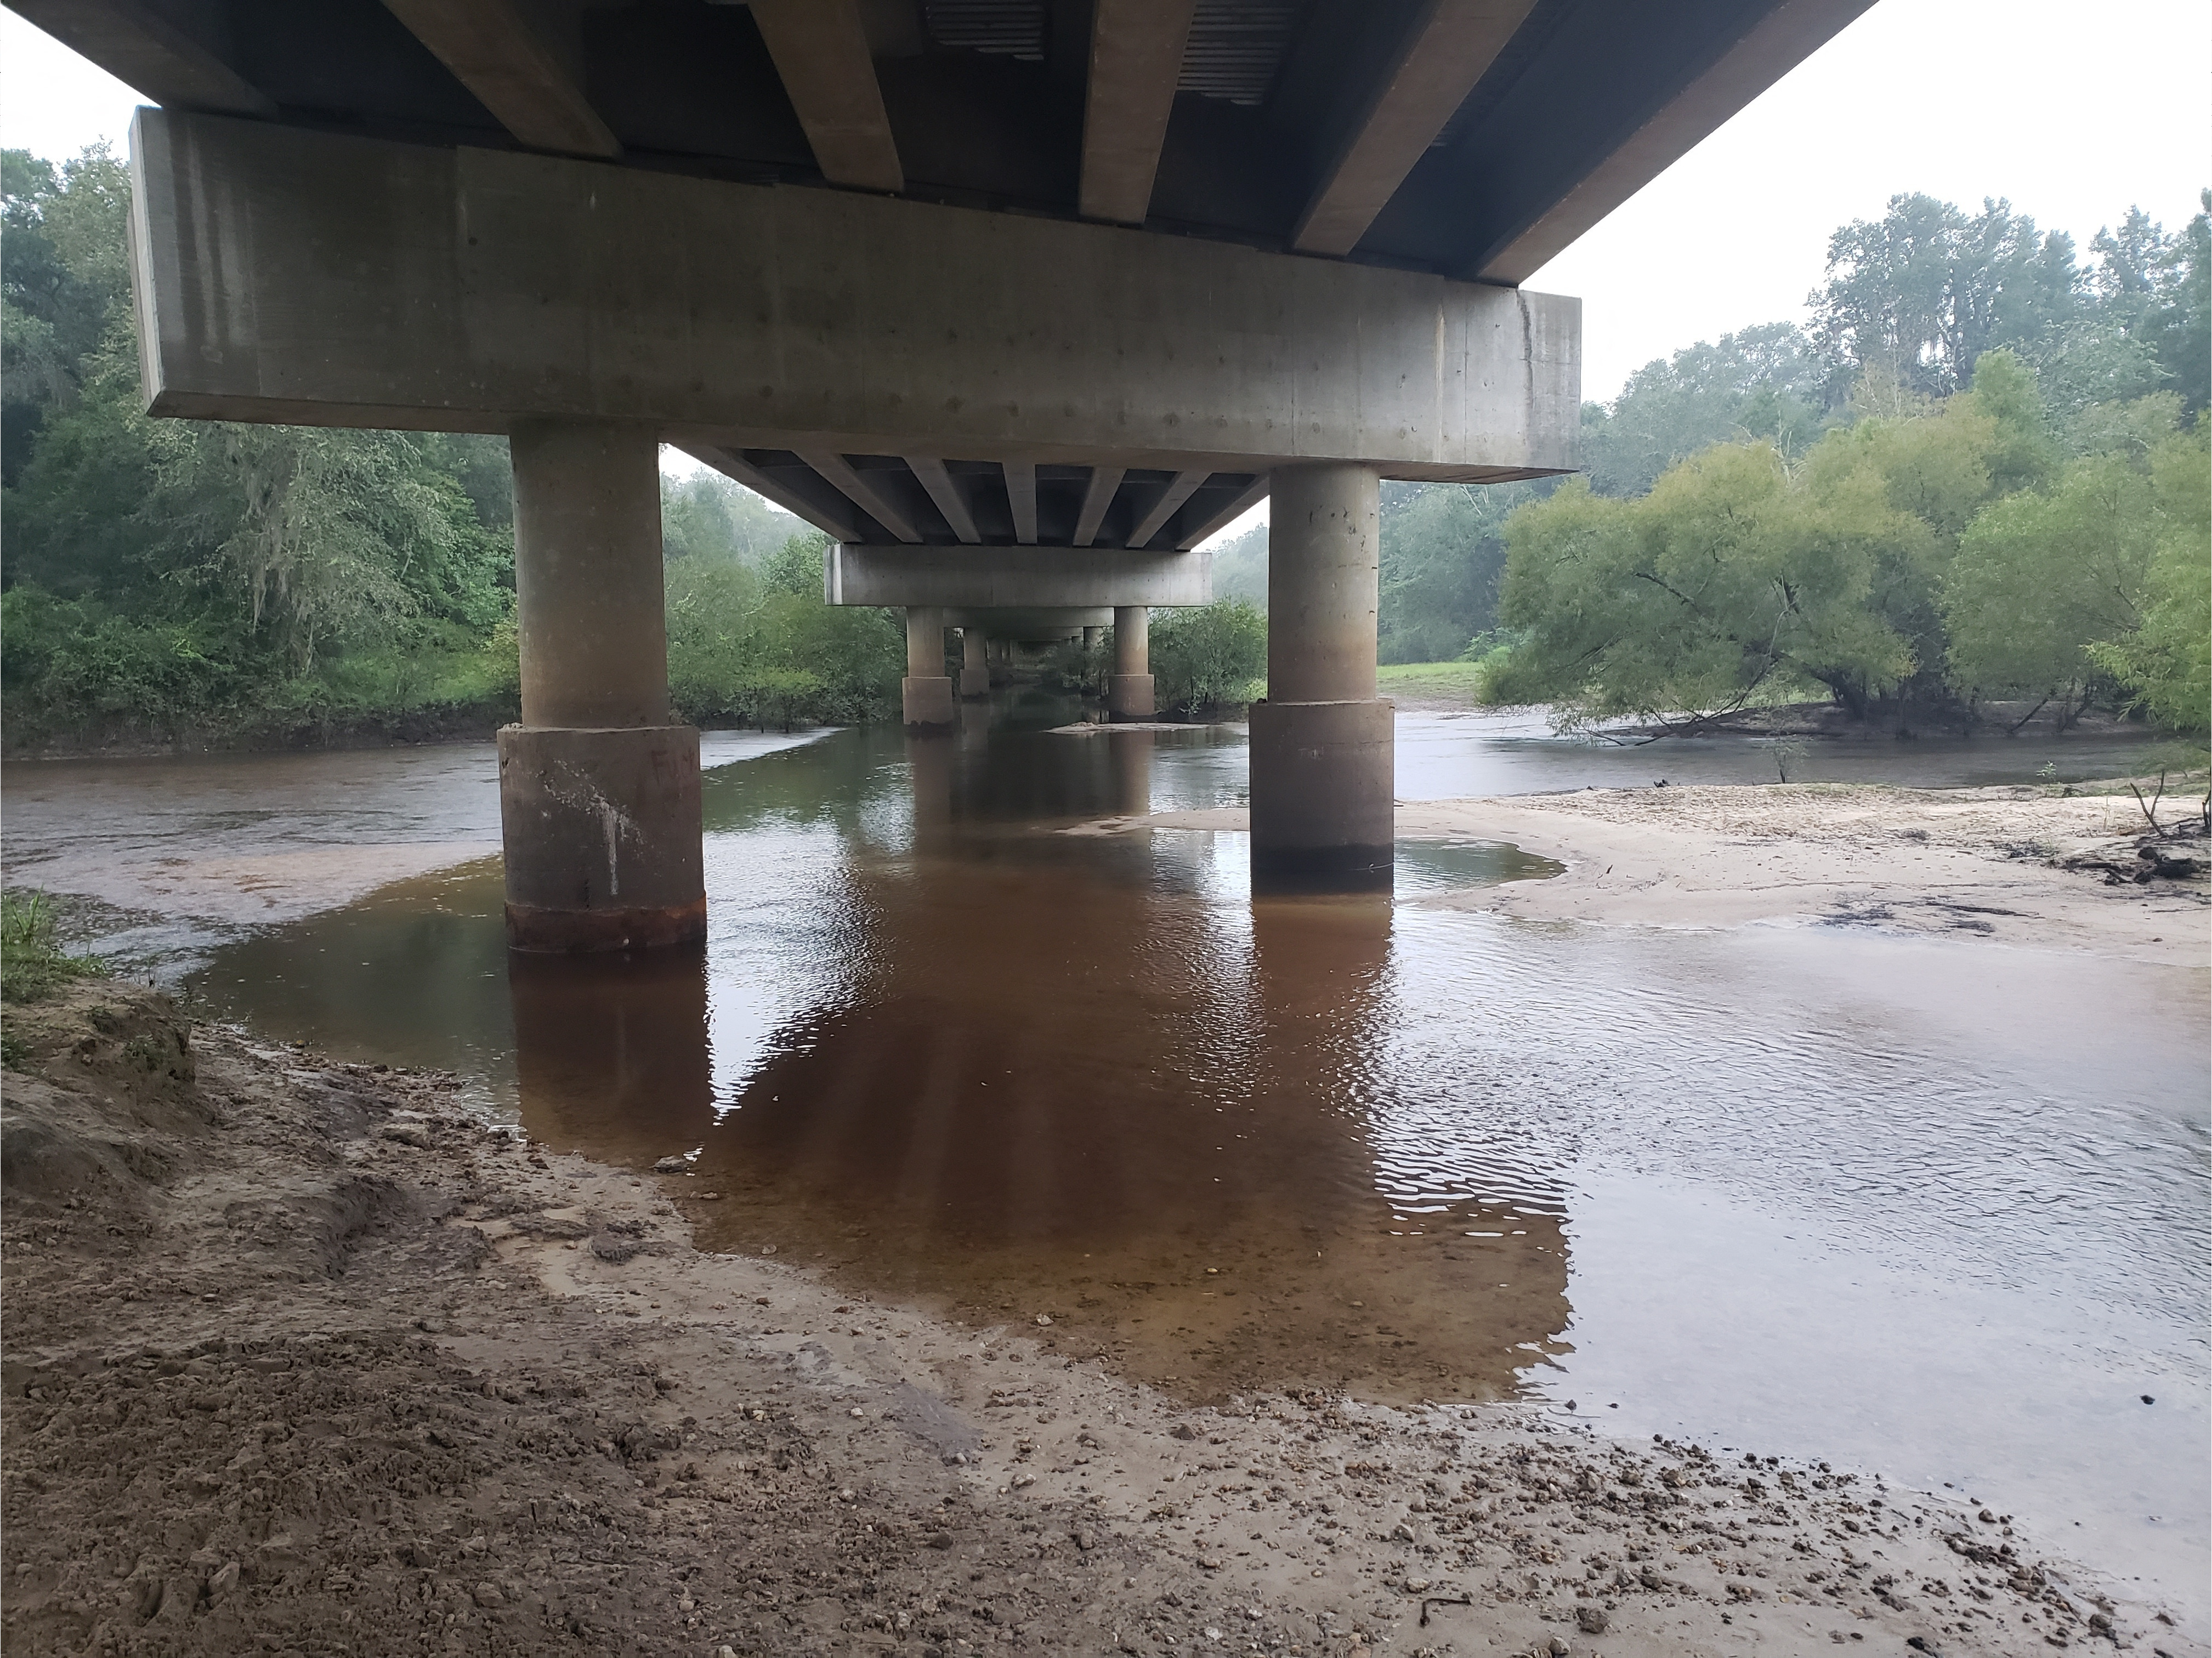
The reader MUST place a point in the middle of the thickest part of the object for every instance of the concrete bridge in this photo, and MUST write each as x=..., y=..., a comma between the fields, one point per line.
x=1018, y=300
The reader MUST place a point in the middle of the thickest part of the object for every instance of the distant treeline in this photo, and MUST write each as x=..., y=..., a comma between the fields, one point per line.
x=269, y=584
x=1911, y=303
x=170, y=578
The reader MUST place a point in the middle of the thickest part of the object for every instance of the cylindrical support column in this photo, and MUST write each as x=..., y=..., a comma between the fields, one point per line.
x=1322, y=751
x=598, y=793
x=975, y=663
x=1091, y=636
x=926, y=693
x=1129, y=689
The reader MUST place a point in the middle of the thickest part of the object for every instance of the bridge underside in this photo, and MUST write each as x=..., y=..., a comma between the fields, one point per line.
x=1065, y=286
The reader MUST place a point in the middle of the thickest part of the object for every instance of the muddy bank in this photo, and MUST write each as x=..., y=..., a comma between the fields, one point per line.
x=304, y=1357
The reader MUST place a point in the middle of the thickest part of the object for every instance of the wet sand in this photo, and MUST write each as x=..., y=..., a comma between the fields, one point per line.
x=304, y=1356
x=1991, y=862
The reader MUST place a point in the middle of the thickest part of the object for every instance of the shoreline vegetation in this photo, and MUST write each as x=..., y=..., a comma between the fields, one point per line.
x=1977, y=481
x=367, y=1367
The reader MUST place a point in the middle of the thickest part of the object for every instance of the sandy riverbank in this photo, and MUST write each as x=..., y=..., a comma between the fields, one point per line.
x=304, y=1357
x=2026, y=865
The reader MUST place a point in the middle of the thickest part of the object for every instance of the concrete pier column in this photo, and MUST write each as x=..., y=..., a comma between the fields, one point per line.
x=598, y=793
x=1323, y=753
x=975, y=663
x=1091, y=636
x=926, y=693
x=1129, y=689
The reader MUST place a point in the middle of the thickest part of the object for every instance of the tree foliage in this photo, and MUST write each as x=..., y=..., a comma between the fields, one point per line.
x=758, y=647
x=1767, y=382
x=1943, y=555
x=1208, y=656
x=173, y=574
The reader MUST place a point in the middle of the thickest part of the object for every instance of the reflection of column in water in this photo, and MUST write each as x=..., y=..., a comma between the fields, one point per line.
x=1133, y=772
x=1455, y=1302
x=929, y=765
x=612, y=1052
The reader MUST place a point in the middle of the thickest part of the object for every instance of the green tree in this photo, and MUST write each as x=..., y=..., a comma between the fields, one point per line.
x=1921, y=292
x=1443, y=548
x=2166, y=662
x=64, y=281
x=1207, y=656
x=1765, y=382
x=706, y=515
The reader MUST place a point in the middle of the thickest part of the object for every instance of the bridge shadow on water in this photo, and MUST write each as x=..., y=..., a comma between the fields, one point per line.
x=1066, y=1075
x=963, y=1035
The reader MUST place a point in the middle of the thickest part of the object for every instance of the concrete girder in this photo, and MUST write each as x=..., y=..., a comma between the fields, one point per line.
x=948, y=494
x=1136, y=60
x=1098, y=496
x=820, y=53
x=1448, y=48
x=151, y=53
x=1022, y=498
x=1028, y=623
x=315, y=278
x=1553, y=211
x=1287, y=122
x=501, y=56
x=1226, y=514
x=838, y=523
x=1025, y=577
x=863, y=492
x=1172, y=496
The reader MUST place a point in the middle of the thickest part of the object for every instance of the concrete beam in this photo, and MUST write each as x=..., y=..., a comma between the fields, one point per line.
x=948, y=494
x=839, y=526
x=1450, y=44
x=141, y=46
x=320, y=279
x=1775, y=43
x=1185, y=485
x=971, y=579
x=1136, y=59
x=822, y=54
x=1098, y=496
x=1254, y=493
x=1021, y=498
x=497, y=53
x=862, y=491
x=1004, y=623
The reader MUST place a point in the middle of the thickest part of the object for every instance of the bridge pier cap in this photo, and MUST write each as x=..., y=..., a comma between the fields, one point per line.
x=321, y=278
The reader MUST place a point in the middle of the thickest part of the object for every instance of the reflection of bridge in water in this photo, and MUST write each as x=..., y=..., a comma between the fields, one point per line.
x=1061, y=1078
x=1017, y=303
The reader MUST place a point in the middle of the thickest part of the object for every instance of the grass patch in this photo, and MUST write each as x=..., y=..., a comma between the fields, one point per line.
x=32, y=964
x=1454, y=682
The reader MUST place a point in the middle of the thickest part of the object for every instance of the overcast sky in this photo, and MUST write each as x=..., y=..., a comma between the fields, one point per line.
x=2072, y=113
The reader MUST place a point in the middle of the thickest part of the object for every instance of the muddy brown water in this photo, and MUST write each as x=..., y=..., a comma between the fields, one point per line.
x=1932, y=1207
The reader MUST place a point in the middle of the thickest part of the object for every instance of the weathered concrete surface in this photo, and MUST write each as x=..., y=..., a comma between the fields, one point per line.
x=925, y=702
x=285, y=275
x=598, y=795
x=1014, y=578
x=926, y=697
x=601, y=829
x=974, y=664
x=1129, y=688
x=590, y=615
x=1322, y=749
x=1324, y=575
x=1321, y=791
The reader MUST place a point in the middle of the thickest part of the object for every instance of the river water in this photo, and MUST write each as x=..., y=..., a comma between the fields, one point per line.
x=1933, y=1207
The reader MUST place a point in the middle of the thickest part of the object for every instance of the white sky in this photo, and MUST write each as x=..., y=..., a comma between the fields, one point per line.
x=2071, y=114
